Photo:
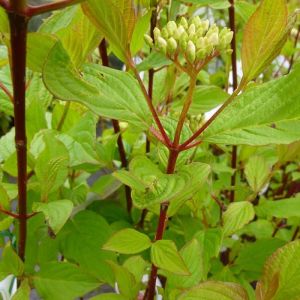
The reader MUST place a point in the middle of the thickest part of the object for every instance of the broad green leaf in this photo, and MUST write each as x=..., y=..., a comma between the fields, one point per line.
x=257, y=172
x=107, y=92
x=77, y=34
x=140, y=29
x=63, y=281
x=4, y=23
x=115, y=19
x=127, y=285
x=7, y=145
x=252, y=256
x=127, y=241
x=157, y=187
x=165, y=255
x=23, y=292
x=105, y=185
x=264, y=36
x=51, y=166
x=153, y=61
x=244, y=9
x=4, y=198
x=6, y=223
x=37, y=55
x=281, y=275
x=213, y=290
x=236, y=216
x=10, y=263
x=137, y=266
x=215, y=4
x=56, y=212
x=81, y=240
x=265, y=114
x=284, y=208
x=193, y=257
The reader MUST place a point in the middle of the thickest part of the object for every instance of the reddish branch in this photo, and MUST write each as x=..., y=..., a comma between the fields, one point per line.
x=117, y=130
x=18, y=29
x=6, y=91
x=235, y=85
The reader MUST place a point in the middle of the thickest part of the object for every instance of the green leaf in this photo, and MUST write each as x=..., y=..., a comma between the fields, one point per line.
x=51, y=167
x=264, y=36
x=281, y=275
x=261, y=115
x=236, y=216
x=137, y=266
x=215, y=4
x=23, y=292
x=252, y=256
x=81, y=240
x=5, y=223
x=128, y=241
x=10, y=263
x=164, y=255
x=107, y=92
x=257, y=172
x=212, y=290
x=192, y=254
x=56, y=212
x=77, y=34
x=115, y=19
x=157, y=187
x=244, y=9
x=284, y=208
x=63, y=281
x=4, y=198
x=127, y=285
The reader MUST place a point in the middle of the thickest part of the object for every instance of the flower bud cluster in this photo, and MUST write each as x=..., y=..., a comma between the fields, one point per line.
x=195, y=39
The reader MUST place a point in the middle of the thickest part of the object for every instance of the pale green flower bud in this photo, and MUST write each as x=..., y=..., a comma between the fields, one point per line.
x=197, y=21
x=191, y=51
x=177, y=34
x=228, y=37
x=156, y=33
x=148, y=39
x=205, y=25
x=184, y=23
x=171, y=26
x=199, y=32
x=165, y=33
x=192, y=29
x=201, y=44
x=213, y=29
x=171, y=45
x=183, y=41
x=201, y=54
x=162, y=44
x=214, y=39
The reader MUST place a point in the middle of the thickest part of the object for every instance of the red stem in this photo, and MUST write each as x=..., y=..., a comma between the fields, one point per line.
x=18, y=35
x=117, y=130
x=9, y=213
x=40, y=9
x=295, y=46
x=235, y=85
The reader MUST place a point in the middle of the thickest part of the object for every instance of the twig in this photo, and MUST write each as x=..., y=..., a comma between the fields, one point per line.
x=7, y=92
x=40, y=9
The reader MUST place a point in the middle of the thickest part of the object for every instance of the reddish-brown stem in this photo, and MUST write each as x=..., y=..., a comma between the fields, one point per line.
x=185, y=109
x=9, y=213
x=150, y=104
x=18, y=35
x=162, y=222
x=234, y=85
x=206, y=125
x=5, y=4
x=6, y=91
x=40, y=9
x=117, y=130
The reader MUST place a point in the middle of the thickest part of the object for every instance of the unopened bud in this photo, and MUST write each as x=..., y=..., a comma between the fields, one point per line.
x=192, y=29
x=201, y=54
x=228, y=37
x=162, y=44
x=172, y=45
x=184, y=23
x=191, y=51
x=156, y=33
x=214, y=39
x=205, y=25
x=183, y=44
x=177, y=34
x=196, y=21
x=148, y=39
x=171, y=26
x=201, y=43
